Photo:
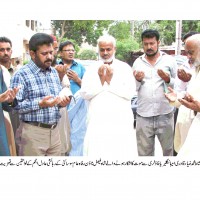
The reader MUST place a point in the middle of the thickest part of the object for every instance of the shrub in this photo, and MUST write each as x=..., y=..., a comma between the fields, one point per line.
x=87, y=54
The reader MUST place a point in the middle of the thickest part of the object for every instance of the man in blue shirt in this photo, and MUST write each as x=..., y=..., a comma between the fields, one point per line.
x=77, y=109
x=75, y=70
x=39, y=101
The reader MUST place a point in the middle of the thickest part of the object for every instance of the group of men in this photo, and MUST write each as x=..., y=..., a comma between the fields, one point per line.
x=67, y=110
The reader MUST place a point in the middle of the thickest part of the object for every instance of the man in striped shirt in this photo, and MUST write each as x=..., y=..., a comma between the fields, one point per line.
x=39, y=102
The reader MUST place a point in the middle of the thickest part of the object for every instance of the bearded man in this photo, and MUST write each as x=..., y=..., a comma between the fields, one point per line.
x=154, y=71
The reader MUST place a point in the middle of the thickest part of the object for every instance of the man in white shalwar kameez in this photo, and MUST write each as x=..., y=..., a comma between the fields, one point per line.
x=109, y=86
x=191, y=145
x=185, y=73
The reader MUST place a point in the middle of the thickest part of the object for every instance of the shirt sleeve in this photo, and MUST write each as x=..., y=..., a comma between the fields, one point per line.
x=24, y=105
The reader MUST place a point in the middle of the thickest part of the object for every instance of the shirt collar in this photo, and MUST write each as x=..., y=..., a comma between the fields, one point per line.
x=73, y=62
x=37, y=69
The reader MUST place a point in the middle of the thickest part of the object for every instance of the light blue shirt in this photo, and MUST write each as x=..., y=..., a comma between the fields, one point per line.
x=80, y=70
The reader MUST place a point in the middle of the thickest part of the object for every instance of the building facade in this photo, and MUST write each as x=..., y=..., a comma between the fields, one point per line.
x=20, y=32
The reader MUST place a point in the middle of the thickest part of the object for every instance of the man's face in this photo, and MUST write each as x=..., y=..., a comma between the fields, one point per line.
x=55, y=48
x=55, y=52
x=68, y=53
x=106, y=51
x=150, y=46
x=192, y=51
x=44, y=56
x=5, y=52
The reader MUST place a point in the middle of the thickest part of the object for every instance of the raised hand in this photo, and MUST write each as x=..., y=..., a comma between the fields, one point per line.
x=49, y=101
x=9, y=95
x=139, y=75
x=183, y=75
x=171, y=95
x=190, y=102
x=109, y=74
x=165, y=76
x=61, y=69
x=102, y=73
x=64, y=101
x=72, y=75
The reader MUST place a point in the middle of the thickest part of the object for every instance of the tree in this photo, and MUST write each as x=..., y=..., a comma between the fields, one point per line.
x=126, y=43
x=80, y=30
x=125, y=48
x=190, y=25
x=120, y=30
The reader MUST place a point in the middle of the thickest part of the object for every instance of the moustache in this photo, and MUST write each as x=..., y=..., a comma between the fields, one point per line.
x=49, y=60
x=6, y=56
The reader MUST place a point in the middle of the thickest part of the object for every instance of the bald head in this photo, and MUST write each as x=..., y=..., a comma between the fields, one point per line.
x=192, y=48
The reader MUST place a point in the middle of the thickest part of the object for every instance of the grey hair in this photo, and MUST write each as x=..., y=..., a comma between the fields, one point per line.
x=194, y=38
x=107, y=38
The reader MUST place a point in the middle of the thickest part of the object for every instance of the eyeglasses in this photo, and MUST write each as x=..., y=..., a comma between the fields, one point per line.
x=5, y=49
x=68, y=50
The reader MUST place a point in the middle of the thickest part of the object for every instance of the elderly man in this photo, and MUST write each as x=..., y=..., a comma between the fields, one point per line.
x=190, y=100
x=109, y=86
x=184, y=74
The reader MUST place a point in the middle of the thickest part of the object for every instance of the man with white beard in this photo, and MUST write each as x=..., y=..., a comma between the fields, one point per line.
x=191, y=100
x=109, y=86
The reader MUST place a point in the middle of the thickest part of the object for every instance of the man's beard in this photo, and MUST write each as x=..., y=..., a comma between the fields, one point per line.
x=197, y=60
x=151, y=55
x=109, y=59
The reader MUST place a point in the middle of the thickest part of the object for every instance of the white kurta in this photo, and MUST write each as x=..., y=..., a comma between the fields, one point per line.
x=63, y=124
x=191, y=145
x=184, y=118
x=110, y=131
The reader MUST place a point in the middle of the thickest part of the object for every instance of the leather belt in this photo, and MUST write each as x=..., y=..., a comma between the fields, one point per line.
x=42, y=125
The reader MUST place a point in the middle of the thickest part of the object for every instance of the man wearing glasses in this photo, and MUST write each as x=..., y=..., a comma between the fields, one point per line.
x=77, y=110
x=75, y=70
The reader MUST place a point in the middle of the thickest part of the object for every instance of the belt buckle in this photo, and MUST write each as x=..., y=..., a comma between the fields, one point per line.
x=54, y=126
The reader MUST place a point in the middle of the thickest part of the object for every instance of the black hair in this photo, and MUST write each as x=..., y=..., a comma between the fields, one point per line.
x=66, y=43
x=5, y=39
x=39, y=39
x=150, y=33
